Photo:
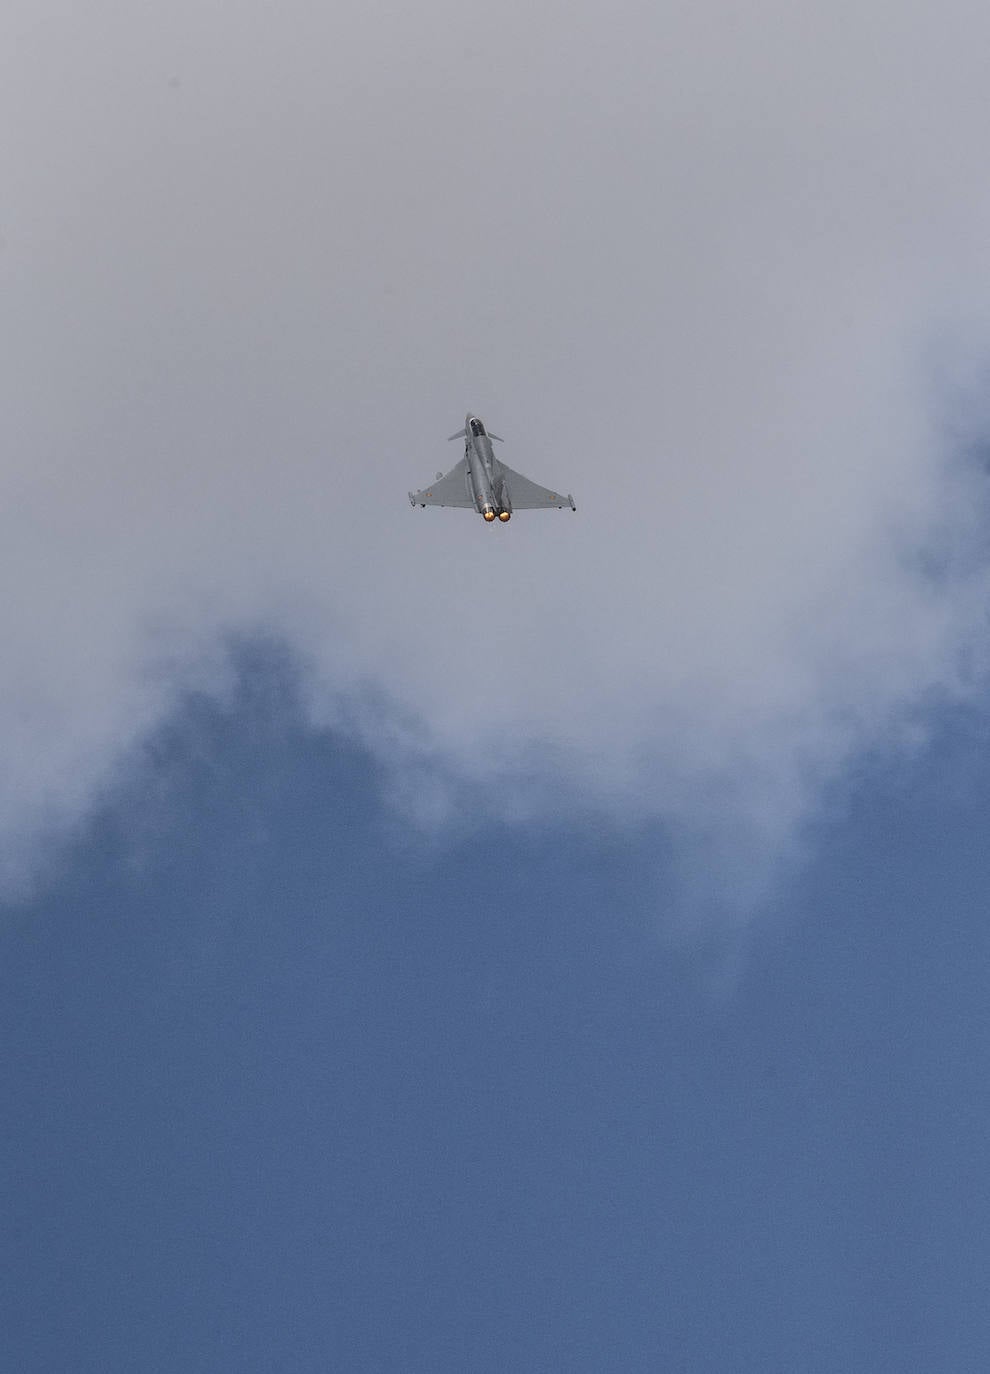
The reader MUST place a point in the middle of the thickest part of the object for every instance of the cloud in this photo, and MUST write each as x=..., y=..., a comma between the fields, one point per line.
x=720, y=272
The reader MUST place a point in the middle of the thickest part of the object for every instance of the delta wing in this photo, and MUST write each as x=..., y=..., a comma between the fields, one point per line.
x=527, y=495
x=452, y=490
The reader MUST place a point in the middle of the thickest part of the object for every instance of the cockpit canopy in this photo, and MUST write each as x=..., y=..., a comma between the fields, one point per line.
x=477, y=428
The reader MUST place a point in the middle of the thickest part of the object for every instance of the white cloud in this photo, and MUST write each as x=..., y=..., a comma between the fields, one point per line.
x=715, y=270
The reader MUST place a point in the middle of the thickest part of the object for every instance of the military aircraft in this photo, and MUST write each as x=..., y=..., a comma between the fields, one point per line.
x=481, y=482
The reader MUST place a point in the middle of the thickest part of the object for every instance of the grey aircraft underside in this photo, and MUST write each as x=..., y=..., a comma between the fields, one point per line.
x=481, y=482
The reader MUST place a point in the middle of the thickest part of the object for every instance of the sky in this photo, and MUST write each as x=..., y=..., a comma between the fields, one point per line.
x=278, y=1095
x=434, y=946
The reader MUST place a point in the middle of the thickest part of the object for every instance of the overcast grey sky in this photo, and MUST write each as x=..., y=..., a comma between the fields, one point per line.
x=721, y=271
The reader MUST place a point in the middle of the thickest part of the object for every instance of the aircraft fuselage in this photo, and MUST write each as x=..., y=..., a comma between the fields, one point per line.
x=488, y=490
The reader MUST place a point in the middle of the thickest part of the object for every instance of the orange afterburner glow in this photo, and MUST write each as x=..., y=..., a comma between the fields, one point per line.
x=504, y=515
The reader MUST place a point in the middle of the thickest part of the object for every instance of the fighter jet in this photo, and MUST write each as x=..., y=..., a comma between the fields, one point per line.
x=481, y=482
